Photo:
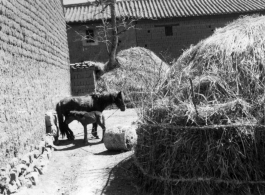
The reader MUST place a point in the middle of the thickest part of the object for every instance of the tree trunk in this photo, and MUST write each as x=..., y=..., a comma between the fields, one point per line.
x=114, y=38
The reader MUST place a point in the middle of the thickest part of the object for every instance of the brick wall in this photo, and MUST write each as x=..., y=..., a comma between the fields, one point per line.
x=34, y=70
x=82, y=81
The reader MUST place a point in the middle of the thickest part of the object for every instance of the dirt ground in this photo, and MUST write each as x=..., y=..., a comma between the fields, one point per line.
x=76, y=169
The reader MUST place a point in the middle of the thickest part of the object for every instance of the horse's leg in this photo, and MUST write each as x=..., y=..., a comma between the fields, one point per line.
x=69, y=133
x=101, y=123
x=94, y=130
x=72, y=137
x=56, y=137
x=85, y=134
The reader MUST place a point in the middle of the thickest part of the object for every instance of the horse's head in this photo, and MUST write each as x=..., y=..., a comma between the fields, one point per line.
x=119, y=101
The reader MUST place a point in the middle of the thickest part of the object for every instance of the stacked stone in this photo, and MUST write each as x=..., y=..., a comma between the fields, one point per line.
x=51, y=122
x=24, y=172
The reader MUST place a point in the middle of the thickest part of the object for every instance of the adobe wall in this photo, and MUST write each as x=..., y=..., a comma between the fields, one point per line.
x=34, y=70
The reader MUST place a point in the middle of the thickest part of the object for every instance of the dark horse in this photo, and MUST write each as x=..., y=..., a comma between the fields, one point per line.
x=93, y=102
x=86, y=118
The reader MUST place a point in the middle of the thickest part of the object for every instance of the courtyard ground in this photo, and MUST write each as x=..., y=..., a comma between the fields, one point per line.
x=76, y=169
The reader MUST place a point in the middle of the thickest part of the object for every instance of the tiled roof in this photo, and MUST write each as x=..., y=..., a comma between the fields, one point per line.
x=155, y=9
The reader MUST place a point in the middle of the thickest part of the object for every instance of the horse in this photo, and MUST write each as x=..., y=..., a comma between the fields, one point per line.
x=86, y=118
x=88, y=103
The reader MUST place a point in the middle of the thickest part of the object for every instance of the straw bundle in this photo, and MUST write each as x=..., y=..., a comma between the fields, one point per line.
x=120, y=138
x=203, y=133
x=140, y=71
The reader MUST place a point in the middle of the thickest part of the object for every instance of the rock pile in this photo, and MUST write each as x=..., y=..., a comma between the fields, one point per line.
x=24, y=172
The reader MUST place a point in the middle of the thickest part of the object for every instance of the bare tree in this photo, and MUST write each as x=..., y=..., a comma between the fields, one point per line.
x=110, y=31
x=114, y=38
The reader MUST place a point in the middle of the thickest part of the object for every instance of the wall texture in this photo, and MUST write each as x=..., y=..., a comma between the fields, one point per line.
x=80, y=52
x=34, y=70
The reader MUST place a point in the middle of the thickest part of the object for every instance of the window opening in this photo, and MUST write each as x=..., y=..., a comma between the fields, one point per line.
x=90, y=37
x=168, y=30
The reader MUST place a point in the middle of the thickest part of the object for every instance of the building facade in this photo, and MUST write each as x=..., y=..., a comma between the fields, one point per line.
x=166, y=27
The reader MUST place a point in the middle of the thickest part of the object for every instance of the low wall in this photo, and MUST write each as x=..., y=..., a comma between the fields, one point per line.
x=82, y=79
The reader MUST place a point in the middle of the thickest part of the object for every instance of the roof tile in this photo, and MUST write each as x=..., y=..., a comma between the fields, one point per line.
x=152, y=9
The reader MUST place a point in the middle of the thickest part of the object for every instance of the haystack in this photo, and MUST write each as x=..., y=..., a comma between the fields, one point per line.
x=205, y=135
x=234, y=55
x=120, y=138
x=140, y=71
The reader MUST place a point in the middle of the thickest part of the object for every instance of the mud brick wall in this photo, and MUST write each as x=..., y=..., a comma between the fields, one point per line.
x=185, y=31
x=82, y=81
x=34, y=70
x=80, y=52
x=149, y=34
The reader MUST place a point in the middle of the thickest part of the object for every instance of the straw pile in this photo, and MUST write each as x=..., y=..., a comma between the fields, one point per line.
x=120, y=138
x=140, y=71
x=203, y=132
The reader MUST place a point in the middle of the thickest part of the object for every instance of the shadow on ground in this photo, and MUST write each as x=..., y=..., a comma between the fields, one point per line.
x=107, y=152
x=77, y=143
x=121, y=180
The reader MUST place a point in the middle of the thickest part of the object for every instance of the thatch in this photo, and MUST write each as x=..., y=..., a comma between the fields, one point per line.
x=140, y=71
x=234, y=55
x=184, y=114
x=203, y=133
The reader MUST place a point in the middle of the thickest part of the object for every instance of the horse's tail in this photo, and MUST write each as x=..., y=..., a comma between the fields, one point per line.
x=60, y=119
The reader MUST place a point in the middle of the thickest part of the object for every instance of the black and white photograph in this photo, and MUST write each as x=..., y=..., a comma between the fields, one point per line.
x=132, y=97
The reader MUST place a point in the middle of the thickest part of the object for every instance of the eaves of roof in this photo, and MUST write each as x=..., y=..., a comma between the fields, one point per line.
x=159, y=9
